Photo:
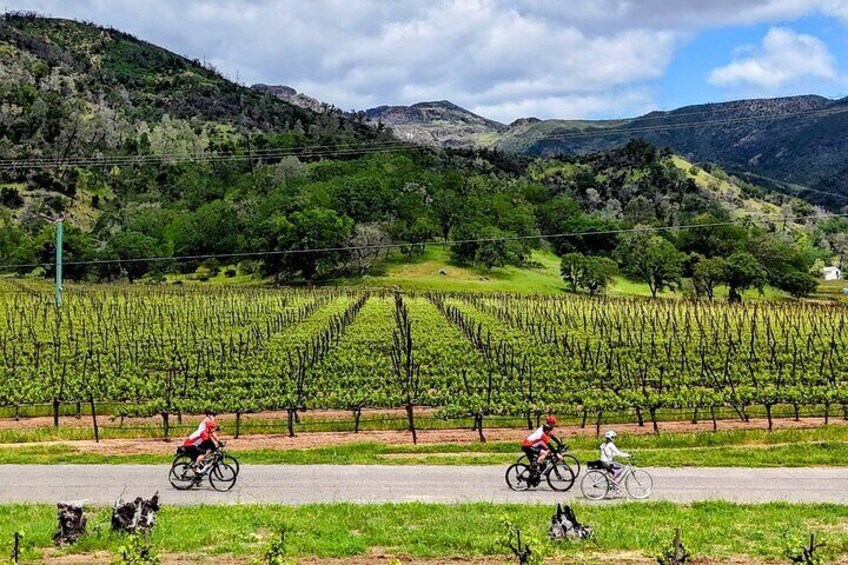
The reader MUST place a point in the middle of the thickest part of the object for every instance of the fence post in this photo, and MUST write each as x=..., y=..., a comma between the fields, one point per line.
x=55, y=412
x=16, y=549
x=94, y=419
x=165, y=426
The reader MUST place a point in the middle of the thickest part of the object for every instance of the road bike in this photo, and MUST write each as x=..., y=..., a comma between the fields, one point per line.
x=222, y=474
x=182, y=457
x=558, y=474
x=567, y=458
x=597, y=483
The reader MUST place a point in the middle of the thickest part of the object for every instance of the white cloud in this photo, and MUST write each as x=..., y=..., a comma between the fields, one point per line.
x=676, y=14
x=627, y=103
x=838, y=8
x=547, y=57
x=784, y=57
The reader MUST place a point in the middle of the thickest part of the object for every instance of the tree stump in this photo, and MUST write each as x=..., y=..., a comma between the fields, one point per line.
x=564, y=525
x=71, y=523
x=136, y=516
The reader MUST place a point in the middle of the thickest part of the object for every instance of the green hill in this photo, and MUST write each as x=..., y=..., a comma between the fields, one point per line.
x=791, y=144
x=154, y=155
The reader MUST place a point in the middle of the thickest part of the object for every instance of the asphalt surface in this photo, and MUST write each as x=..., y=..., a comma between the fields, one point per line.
x=301, y=484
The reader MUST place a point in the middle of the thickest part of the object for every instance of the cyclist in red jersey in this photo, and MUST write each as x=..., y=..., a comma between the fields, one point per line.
x=202, y=441
x=537, y=445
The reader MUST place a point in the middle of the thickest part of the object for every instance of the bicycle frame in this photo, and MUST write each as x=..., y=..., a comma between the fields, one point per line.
x=626, y=469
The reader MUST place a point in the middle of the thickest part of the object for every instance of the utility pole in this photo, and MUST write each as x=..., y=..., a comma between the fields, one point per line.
x=60, y=232
x=59, y=221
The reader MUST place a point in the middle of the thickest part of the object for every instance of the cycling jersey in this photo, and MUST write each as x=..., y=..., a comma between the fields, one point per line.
x=537, y=439
x=202, y=433
x=609, y=452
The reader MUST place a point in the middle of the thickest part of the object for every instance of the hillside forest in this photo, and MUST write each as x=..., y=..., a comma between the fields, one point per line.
x=152, y=155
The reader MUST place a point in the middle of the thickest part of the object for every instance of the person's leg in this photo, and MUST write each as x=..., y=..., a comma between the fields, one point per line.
x=206, y=447
x=195, y=453
x=616, y=471
x=531, y=456
x=201, y=459
x=543, y=454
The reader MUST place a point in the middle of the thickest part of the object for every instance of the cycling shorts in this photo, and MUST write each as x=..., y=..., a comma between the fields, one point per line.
x=195, y=451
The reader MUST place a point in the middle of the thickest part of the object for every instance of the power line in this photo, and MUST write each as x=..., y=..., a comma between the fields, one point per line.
x=624, y=130
x=396, y=145
x=202, y=154
x=46, y=163
x=797, y=188
x=416, y=244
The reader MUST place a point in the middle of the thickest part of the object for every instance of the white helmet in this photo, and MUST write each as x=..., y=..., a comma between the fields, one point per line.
x=610, y=434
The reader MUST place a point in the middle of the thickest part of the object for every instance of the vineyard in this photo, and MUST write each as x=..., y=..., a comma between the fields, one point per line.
x=166, y=351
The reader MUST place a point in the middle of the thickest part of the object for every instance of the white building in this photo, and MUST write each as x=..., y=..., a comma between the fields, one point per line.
x=832, y=273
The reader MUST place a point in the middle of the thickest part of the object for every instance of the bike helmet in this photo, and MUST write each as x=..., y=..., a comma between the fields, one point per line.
x=551, y=421
x=610, y=434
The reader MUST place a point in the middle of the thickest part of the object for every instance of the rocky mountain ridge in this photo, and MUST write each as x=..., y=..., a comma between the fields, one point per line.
x=793, y=144
x=292, y=96
x=436, y=123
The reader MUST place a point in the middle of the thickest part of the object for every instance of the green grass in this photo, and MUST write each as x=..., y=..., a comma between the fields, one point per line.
x=220, y=279
x=824, y=446
x=717, y=530
x=832, y=290
x=423, y=273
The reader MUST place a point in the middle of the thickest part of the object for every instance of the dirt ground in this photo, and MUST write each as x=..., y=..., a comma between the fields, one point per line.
x=425, y=437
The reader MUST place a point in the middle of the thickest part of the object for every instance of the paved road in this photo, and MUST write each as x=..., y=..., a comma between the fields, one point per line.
x=102, y=484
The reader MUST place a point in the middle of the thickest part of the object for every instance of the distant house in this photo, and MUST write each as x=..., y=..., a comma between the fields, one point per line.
x=832, y=273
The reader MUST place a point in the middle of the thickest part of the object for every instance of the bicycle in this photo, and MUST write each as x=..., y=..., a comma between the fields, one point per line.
x=222, y=476
x=598, y=482
x=567, y=458
x=560, y=477
x=182, y=457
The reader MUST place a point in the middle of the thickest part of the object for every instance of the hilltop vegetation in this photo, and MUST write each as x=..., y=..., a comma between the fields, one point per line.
x=793, y=145
x=268, y=176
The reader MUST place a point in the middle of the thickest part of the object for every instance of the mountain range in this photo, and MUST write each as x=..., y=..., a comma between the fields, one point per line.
x=795, y=145
x=149, y=153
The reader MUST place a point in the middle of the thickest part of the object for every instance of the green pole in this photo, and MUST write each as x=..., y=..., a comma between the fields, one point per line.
x=59, y=233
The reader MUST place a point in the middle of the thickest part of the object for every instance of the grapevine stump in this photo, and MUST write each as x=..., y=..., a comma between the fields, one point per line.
x=136, y=516
x=72, y=521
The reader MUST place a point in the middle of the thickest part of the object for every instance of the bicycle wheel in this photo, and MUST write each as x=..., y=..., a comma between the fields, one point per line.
x=518, y=477
x=595, y=485
x=560, y=477
x=180, y=459
x=181, y=476
x=639, y=484
x=222, y=477
x=232, y=462
x=572, y=462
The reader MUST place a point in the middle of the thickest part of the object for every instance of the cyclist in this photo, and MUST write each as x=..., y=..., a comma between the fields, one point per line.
x=609, y=452
x=202, y=441
x=537, y=445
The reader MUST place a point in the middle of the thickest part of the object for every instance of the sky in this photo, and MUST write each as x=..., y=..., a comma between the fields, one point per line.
x=499, y=58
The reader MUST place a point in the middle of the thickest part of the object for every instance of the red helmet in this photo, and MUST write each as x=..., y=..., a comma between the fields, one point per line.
x=551, y=421
x=211, y=424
